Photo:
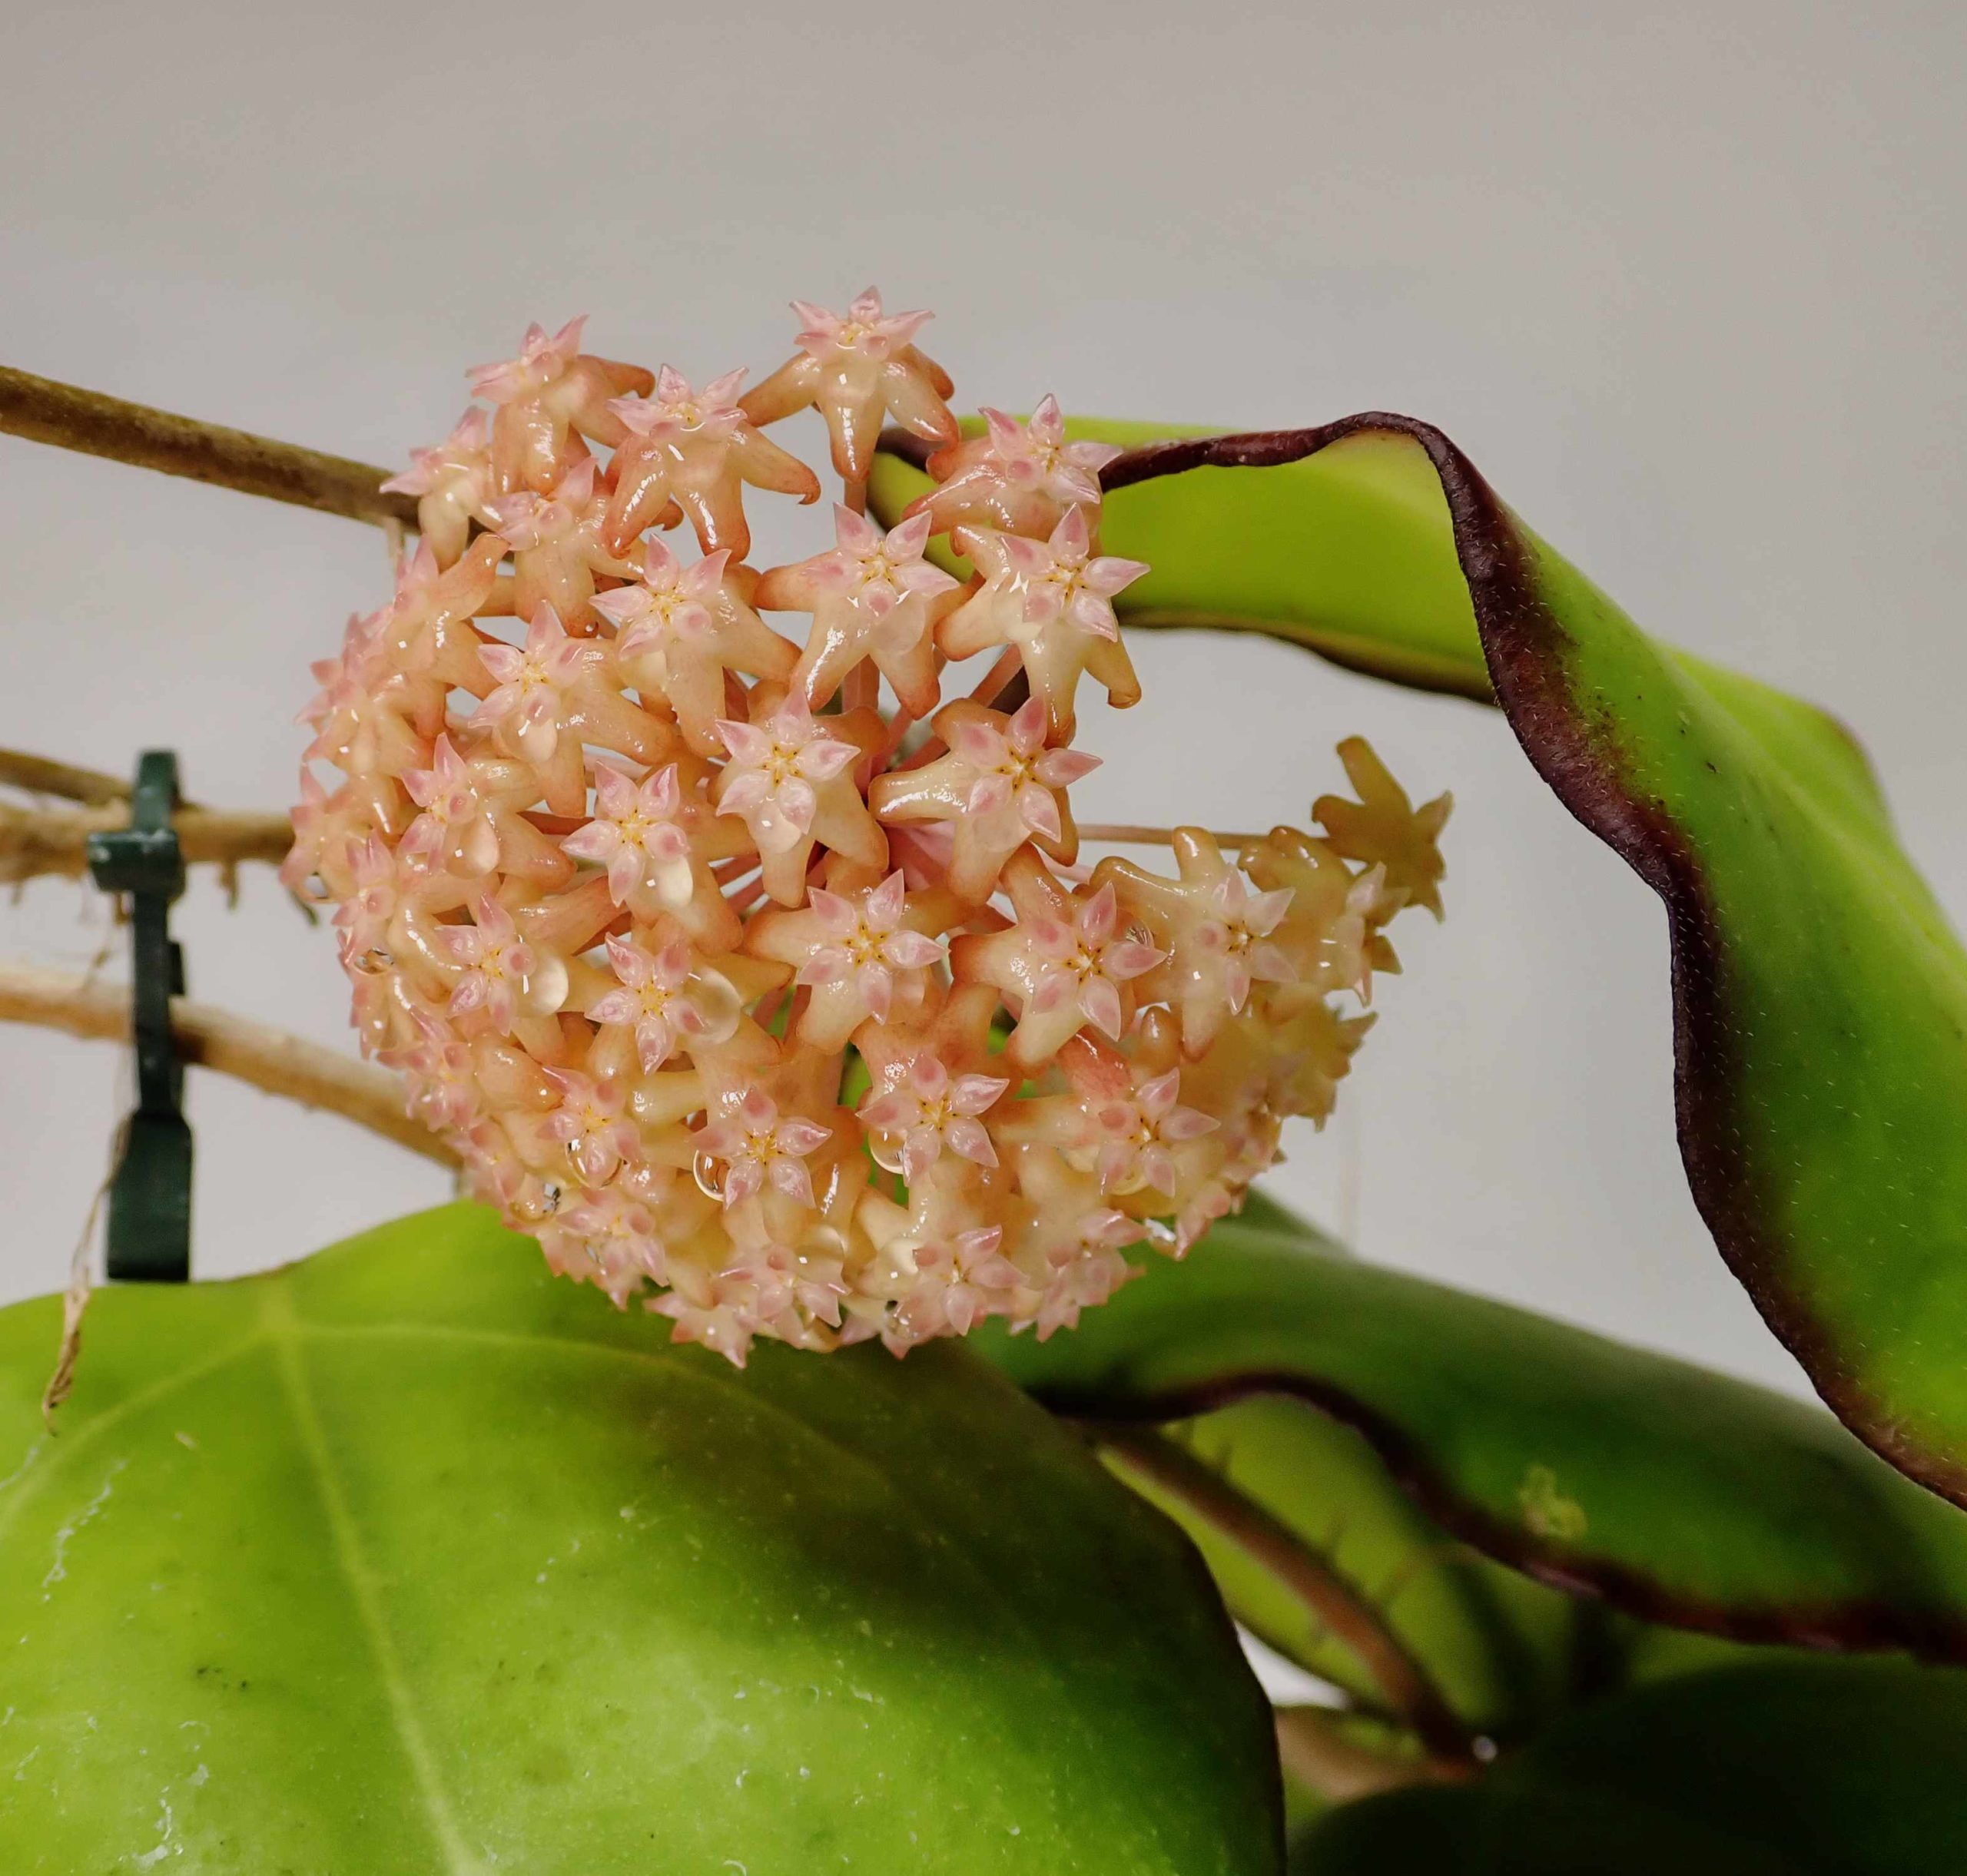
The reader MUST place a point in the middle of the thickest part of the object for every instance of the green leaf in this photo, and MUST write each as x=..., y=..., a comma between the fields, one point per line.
x=1820, y=1002
x=1501, y=1650
x=1682, y=1497
x=1784, y=1769
x=411, y=1559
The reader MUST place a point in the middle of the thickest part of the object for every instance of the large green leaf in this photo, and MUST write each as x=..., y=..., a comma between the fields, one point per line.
x=1788, y=1768
x=1684, y=1496
x=411, y=1559
x=1820, y=1003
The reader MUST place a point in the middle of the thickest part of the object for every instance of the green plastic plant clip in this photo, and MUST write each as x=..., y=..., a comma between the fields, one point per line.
x=150, y=1194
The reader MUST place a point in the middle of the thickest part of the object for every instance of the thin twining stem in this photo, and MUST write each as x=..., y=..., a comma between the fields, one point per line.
x=73, y=419
x=1336, y=1603
x=264, y=1057
x=1315, y=1751
x=1117, y=834
x=35, y=841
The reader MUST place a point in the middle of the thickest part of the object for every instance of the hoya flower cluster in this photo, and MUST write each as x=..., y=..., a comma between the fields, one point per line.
x=739, y=951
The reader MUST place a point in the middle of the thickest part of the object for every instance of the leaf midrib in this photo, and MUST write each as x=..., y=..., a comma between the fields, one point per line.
x=276, y=1314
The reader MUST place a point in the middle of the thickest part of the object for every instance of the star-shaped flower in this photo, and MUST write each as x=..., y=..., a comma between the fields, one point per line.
x=1383, y=828
x=682, y=629
x=330, y=829
x=1310, y=1047
x=1053, y=600
x=930, y=1110
x=1330, y=932
x=872, y=597
x=592, y=1123
x=531, y=699
x=455, y=829
x=859, y=370
x=544, y=359
x=724, y=1324
x=494, y=964
x=551, y=387
x=1065, y=1242
x=961, y=1280
x=473, y=820
x=610, y=1238
x=652, y=999
x=1137, y=1133
x=1122, y=1119
x=955, y=1027
x=1019, y=477
x=364, y=916
x=639, y=832
x=371, y=721
x=1217, y=933
x=362, y=664
x=806, y=1278
x=427, y=631
x=441, y=1084
x=1064, y=963
x=696, y=449
x=566, y=682
x=758, y=1148
x=557, y=544
x=854, y=950
x=1089, y=1278
x=451, y=481
x=1000, y=784
x=791, y=783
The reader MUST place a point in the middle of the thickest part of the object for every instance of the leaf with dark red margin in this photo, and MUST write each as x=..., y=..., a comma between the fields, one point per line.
x=1480, y=1647
x=1820, y=1002
x=1682, y=1497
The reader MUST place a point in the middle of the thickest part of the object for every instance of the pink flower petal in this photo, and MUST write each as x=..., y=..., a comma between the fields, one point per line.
x=1101, y=1002
x=907, y=951
x=969, y=1139
x=746, y=741
x=1040, y=811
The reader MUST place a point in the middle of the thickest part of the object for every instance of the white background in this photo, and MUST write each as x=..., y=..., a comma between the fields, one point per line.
x=1685, y=281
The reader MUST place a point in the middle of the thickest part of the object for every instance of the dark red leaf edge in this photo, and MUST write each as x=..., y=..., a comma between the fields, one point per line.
x=1847, y=1625
x=1524, y=643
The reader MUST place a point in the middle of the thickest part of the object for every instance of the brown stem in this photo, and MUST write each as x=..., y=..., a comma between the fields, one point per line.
x=42, y=775
x=35, y=841
x=73, y=419
x=1339, y=1607
x=1315, y=1751
x=266, y=1058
